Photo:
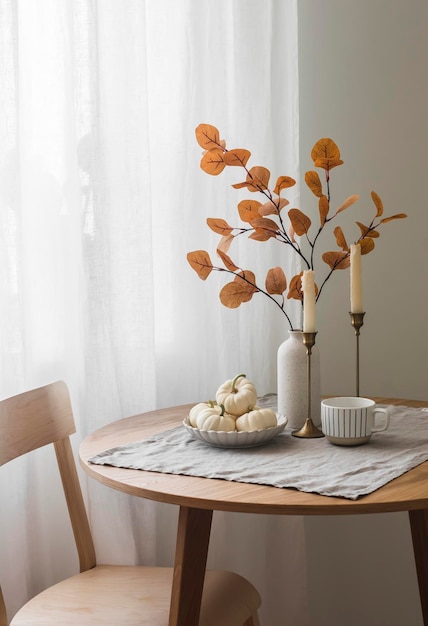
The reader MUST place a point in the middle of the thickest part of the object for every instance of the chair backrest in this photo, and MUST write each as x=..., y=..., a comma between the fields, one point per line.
x=37, y=418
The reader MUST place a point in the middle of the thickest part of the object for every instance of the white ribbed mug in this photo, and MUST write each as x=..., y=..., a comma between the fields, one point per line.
x=350, y=421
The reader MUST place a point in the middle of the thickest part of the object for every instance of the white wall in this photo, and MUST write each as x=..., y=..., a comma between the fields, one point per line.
x=364, y=83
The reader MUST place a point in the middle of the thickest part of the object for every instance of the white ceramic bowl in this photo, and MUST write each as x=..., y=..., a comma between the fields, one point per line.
x=236, y=439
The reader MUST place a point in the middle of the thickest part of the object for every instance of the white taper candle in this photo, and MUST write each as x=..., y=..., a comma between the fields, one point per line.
x=356, y=285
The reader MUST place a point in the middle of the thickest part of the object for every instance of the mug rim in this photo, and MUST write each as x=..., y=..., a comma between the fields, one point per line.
x=348, y=402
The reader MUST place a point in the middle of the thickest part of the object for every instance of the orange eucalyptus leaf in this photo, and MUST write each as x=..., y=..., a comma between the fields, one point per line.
x=326, y=154
x=258, y=178
x=240, y=290
x=249, y=210
x=348, y=202
x=219, y=225
x=212, y=162
x=323, y=208
x=276, y=282
x=260, y=235
x=232, y=295
x=340, y=239
x=200, y=261
x=364, y=229
x=378, y=203
x=264, y=229
x=265, y=224
x=248, y=280
x=224, y=243
x=314, y=183
x=295, y=290
x=291, y=233
x=237, y=157
x=207, y=136
x=367, y=244
x=273, y=207
x=301, y=222
x=367, y=231
x=336, y=260
x=227, y=261
x=325, y=148
x=283, y=182
x=398, y=216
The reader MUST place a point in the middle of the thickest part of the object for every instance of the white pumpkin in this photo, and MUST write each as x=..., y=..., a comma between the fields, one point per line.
x=257, y=419
x=215, y=418
x=195, y=410
x=238, y=395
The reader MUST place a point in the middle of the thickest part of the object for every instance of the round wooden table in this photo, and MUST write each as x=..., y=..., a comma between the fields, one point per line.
x=199, y=497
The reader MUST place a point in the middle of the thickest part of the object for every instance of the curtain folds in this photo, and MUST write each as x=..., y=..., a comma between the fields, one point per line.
x=101, y=198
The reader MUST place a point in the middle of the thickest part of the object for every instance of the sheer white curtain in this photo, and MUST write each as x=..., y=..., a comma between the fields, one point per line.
x=101, y=198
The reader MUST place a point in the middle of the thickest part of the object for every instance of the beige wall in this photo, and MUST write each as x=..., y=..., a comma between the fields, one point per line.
x=364, y=83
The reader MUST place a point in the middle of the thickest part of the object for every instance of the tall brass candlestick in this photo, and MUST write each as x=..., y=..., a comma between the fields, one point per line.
x=308, y=430
x=357, y=320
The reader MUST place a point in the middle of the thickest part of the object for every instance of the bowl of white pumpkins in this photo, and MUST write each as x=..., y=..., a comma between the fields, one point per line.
x=233, y=419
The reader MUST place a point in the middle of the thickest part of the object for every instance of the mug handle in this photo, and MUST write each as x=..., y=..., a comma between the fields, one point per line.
x=385, y=424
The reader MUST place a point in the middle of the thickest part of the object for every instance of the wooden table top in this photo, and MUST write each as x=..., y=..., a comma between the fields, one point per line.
x=406, y=493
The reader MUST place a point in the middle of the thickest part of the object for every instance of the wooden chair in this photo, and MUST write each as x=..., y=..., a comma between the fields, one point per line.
x=102, y=595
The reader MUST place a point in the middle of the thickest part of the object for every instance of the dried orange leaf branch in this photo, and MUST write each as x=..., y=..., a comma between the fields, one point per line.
x=265, y=221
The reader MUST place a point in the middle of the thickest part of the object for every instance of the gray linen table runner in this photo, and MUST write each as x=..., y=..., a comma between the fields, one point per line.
x=311, y=465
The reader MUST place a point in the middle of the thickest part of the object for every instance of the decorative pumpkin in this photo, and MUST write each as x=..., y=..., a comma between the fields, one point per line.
x=195, y=410
x=256, y=419
x=237, y=395
x=215, y=418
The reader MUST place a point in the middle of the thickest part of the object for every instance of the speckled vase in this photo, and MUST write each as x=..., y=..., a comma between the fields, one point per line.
x=292, y=382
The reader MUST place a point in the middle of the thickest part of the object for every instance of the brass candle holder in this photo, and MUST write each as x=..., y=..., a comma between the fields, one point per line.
x=308, y=430
x=357, y=320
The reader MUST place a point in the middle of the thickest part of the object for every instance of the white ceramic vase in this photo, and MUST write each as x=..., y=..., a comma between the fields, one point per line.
x=292, y=381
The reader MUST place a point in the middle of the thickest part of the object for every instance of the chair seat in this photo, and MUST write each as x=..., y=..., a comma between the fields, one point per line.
x=115, y=595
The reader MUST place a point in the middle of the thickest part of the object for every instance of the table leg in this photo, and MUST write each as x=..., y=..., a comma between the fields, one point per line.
x=419, y=527
x=194, y=527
